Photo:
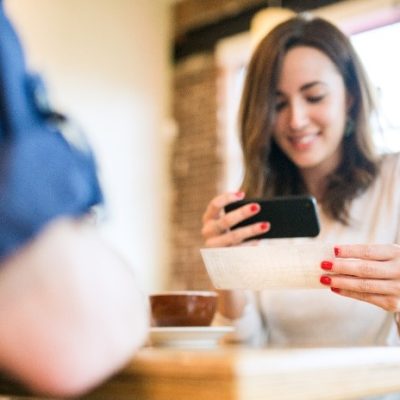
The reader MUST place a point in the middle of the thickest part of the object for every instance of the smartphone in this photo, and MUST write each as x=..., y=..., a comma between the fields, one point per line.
x=289, y=216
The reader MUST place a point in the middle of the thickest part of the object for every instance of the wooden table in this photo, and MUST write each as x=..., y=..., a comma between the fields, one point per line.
x=236, y=373
x=233, y=373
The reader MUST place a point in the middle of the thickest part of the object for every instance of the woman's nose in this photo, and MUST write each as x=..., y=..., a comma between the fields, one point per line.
x=298, y=117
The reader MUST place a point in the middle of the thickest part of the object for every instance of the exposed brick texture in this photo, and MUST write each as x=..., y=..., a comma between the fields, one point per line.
x=195, y=166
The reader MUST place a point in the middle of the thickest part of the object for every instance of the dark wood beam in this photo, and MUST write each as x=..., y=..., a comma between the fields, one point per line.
x=204, y=38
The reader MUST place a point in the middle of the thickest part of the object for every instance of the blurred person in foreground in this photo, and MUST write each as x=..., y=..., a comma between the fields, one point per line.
x=306, y=129
x=71, y=312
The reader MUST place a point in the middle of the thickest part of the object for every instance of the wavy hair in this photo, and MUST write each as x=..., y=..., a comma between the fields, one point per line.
x=268, y=172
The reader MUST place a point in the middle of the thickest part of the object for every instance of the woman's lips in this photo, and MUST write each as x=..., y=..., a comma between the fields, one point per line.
x=303, y=142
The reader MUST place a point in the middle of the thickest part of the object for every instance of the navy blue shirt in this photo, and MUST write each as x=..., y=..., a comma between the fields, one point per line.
x=42, y=174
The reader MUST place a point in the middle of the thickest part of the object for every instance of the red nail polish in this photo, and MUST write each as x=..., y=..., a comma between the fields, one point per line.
x=264, y=226
x=254, y=207
x=325, y=280
x=336, y=290
x=326, y=265
x=336, y=250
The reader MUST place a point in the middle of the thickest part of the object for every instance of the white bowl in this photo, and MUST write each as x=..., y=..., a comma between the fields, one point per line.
x=273, y=265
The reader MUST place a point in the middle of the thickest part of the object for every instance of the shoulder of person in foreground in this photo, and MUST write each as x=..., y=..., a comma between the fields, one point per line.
x=71, y=311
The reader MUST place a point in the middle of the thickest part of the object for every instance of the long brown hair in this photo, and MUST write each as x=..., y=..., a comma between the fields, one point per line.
x=268, y=172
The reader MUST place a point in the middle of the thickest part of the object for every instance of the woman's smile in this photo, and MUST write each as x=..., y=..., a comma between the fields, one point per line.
x=303, y=142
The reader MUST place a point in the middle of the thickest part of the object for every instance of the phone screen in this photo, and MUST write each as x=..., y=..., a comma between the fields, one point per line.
x=289, y=216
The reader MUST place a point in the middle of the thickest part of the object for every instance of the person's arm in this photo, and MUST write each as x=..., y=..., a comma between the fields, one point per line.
x=71, y=312
x=216, y=233
x=231, y=303
x=240, y=309
x=234, y=306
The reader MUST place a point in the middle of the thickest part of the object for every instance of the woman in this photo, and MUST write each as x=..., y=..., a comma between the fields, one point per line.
x=305, y=128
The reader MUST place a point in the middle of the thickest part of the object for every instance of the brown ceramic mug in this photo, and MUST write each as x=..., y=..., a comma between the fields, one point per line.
x=183, y=308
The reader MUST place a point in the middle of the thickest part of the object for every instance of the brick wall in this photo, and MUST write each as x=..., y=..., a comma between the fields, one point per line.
x=195, y=166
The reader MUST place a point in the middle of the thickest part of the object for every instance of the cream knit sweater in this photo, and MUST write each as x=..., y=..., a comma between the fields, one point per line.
x=319, y=317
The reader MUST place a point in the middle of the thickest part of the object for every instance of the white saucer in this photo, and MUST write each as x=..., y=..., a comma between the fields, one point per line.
x=188, y=337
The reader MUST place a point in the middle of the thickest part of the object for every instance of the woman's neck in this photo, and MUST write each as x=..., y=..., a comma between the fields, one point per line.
x=315, y=182
x=315, y=178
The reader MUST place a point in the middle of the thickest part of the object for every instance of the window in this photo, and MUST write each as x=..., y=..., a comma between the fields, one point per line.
x=377, y=50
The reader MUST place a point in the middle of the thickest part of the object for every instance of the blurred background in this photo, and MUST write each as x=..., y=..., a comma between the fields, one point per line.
x=155, y=84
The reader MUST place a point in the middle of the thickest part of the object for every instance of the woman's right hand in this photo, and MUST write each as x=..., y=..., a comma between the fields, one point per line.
x=216, y=233
x=216, y=223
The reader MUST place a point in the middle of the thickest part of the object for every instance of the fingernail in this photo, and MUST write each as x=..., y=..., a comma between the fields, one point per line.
x=239, y=194
x=325, y=280
x=336, y=250
x=336, y=290
x=254, y=208
x=264, y=226
x=326, y=265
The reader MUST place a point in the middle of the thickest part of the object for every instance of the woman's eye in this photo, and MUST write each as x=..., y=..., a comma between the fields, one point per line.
x=315, y=99
x=280, y=105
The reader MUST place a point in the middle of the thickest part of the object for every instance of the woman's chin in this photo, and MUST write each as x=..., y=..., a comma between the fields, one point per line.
x=306, y=162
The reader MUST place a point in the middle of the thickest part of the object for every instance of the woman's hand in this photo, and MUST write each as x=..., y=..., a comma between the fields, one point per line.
x=370, y=273
x=216, y=224
x=216, y=233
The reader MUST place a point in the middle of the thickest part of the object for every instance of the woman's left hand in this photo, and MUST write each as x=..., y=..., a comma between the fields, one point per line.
x=370, y=273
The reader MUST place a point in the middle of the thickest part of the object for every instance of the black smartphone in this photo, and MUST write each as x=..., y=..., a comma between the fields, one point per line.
x=290, y=216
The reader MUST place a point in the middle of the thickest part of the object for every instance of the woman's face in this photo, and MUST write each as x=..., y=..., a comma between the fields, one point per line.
x=311, y=110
